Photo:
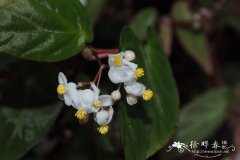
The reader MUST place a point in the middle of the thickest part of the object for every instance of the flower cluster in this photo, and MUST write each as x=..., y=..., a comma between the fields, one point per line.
x=87, y=101
x=122, y=70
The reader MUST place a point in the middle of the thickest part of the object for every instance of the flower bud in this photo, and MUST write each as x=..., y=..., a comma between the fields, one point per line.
x=116, y=95
x=102, y=117
x=129, y=55
x=131, y=99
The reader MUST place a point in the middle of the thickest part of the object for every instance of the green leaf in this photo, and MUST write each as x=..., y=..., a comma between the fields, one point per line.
x=147, y=126
x=195, y=42
x=94, y=8
x=22, y=129
x=43, y=30
x=143, y=20
x=202, y=117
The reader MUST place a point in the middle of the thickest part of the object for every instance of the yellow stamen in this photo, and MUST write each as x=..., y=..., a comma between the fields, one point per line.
x=147, y=95
x=81, y=114
x=61, y=89
x=103, y=129
x=139, y=72
x=97, y=104
x=117, y=60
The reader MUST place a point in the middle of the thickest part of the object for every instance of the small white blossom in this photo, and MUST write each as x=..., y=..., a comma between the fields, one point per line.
x=102, y=100
x=85, y=100
x=121, y=70
x=104, y=117
x=137, y=89
x=89, y=101
x=67, y=90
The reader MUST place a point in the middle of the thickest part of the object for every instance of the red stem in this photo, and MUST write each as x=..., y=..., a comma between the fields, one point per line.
x=182, y=24
x=109, y=51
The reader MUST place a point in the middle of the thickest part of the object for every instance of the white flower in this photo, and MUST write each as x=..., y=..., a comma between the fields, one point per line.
x=84, y=105
x=118, y=60
x=102, y=100
x=136, y=89
x=67, y=90
x=122, y=70
x=88, y=101
x=121, y=74
x=85, y=100
x=103, y=118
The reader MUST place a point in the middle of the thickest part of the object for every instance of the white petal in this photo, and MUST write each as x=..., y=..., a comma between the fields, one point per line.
x=136, y=88
x=67, y=100
x=110, y=60
x=106, y=100
x=62, y=79
x=110, y=111
x=121, y=74
x=131, y=99
x=94, y=109
x=86, y=98
x=132, y=65
x=102, y=117
x=95, y=90
x=130, y=82
x=71, y=85
x=72, y=94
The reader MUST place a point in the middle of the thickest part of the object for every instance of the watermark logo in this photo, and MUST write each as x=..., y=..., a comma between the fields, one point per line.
x=204, y=149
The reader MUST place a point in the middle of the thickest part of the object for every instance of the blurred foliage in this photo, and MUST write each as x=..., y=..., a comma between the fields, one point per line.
x=35, y=126
x=230, y=14
x=204, y=115
x=150, y=15
x=94, y=8
x=195, y=42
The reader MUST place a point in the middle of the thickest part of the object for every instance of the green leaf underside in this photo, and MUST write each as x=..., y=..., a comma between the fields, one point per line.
x=147, y=126
x=23, y=129
x=195, y=42
x=203, y=116
x=43, y=30
x=143, y=20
